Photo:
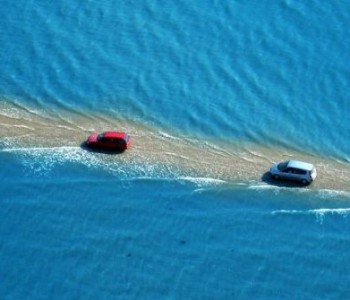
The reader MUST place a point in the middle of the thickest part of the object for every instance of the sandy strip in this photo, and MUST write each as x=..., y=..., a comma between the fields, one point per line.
x=21, y=127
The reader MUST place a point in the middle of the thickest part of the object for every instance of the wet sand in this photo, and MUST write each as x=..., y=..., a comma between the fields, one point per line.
x=153, y=152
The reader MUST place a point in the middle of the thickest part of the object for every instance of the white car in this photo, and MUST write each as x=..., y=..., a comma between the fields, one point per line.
x=294, y=170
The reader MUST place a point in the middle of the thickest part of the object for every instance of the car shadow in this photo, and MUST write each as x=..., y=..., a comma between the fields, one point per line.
x=102, y=151
x=282, y=183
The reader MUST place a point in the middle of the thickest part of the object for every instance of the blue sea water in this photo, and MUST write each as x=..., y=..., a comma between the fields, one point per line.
x=79, y=233
x=269, y=73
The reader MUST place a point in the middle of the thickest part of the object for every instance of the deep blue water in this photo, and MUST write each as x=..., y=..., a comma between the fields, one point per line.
x=82, y=233
x=269, y=73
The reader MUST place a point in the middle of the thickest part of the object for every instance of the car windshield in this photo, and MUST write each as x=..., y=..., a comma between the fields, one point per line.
x=100, y=137
x=282, y=165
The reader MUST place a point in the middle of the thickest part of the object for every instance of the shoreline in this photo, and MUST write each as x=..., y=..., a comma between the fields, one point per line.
x=154, y=149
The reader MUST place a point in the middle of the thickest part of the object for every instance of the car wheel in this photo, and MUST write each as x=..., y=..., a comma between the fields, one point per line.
x=276, y=177
x=304, y=181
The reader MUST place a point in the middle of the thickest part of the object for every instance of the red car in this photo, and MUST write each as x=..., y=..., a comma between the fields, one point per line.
x=109, y=140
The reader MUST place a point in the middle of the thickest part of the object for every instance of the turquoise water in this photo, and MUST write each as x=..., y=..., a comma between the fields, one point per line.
x=85, y=234
x=271, y=73
x=268, y=74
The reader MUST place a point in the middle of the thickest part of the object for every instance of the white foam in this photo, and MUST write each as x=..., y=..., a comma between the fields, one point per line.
x=19, y=112
x=91, y=129
x=177, y=155
x=262, y=186
x=259, y=155
x=16, y=126
x=12, y=113
x=321, y=193
x=43, y=159
x=11, y=142
x=167, y=135
x=327, y=193
x=312, y=211
x=33, y=150
x=65, y=127
x=217, y=150
x=319, y=213
x=202, y=181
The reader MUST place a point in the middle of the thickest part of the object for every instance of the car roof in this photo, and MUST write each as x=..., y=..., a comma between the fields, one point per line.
x=114, y=134
x=300, y=165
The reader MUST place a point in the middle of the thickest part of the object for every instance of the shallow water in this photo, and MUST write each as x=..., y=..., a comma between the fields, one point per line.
x=81, y=232
x=212, y=95
x=154, y=153
x=267, y=73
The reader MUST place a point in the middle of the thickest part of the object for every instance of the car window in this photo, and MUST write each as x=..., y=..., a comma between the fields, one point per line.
x=282, y=166
x=117, y=141
x=299, y=172
x=100, y=137
x=287, y=170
